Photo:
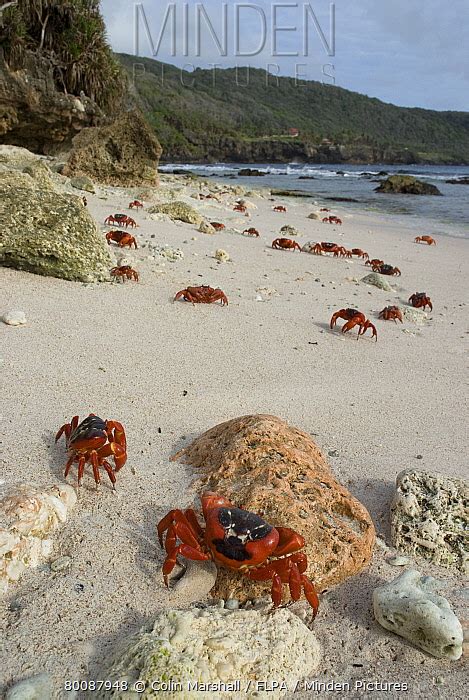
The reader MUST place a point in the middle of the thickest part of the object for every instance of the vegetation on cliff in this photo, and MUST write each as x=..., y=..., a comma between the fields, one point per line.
x=202, y=115
x=72, y=36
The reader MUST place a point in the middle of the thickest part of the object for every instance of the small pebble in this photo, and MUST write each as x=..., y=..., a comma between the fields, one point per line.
x=232, y=604
x=35, y=688
x=333, y=453
x=303, y=514
x=61, y=564
x=14, y=318
x=398, y=561
x=419, y=456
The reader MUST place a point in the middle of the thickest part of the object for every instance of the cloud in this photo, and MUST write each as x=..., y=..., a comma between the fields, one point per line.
x=407, y=52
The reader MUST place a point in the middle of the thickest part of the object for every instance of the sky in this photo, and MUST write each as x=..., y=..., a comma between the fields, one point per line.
x=413, y=53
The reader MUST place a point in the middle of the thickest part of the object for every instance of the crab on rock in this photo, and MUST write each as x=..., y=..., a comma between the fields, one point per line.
x=94, y=440
x=425, y=239
x=391, y=313
x=124, y=272
x=202, y=295
x=241, y=541
x=354, y=318
x=420, y=300
x=122, y=239
x=285, y=244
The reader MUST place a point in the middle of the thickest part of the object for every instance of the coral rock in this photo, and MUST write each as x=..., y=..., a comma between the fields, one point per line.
x=429, y=518
x=262, y=464
x=216, y=646
x=178, y=211
x=376, y=280
x=409, y=607
x=289, y=231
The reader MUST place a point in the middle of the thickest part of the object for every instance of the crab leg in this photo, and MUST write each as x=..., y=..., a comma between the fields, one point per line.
x=186, y=551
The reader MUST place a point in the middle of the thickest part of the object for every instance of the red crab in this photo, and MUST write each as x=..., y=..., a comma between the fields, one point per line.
x=360, y=253
x=285, y=244
x=375, y=262
x=420, y=300
x=425, y=239
x=124, y=272
x=202, y=295
x=324, y=209
x=326, y=247
x=332, y=220
x=217, y=226
x=280, y=209
x=120, y=220
x=241, y=208
x=94, y=440
x=135, y=205
x=354, y=318
x=386, y=269
x=252, y=232
x=122, y=239
x=238, y=540
x=391, y=313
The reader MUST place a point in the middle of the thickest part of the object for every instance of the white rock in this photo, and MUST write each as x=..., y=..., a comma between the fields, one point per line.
x=14, y=318
x=35, y=688
x=222, y=255
x=216, y=644
x=409, y=607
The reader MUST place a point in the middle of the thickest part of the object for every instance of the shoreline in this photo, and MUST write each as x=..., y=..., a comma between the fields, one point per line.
x=169, y=371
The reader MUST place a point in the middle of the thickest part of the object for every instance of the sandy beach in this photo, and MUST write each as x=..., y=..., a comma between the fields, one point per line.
x=169, y=371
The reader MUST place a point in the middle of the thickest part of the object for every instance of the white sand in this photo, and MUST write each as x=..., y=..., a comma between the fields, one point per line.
x=127, y=352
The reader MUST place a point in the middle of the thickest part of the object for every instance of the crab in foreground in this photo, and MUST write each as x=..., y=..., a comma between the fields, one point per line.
x=391, y=313
x=386, y=270
x=202, y=295
x=281, y=209
x=285, y=244
x=124, y=272
x=354, y=318
x=123, y=239
x=135, y=205
x=420, y=300
x=252, y=232
x=425, y=239
x=94, y=440
x=241, y=541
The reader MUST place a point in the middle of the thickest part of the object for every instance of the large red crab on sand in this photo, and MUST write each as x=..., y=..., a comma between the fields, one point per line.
x=238, y=540
x=202, y=295
x=354, y=318
x=94, y=440
x=285, y=244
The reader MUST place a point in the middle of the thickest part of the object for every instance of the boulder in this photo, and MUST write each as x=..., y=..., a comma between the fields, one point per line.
x=406, y=184
x=409, y=607
x=17, y=160
x=251, y=172
x=289, y=231
x=206, y=227
x=84, y=183
x=458, y=181
x=314, y=216
x=49, y=233
x=178, y=211
x=126, y=153
x=377, y=280
x=429, y=518
x=215, y=646
x=262, y=464
x=35, y=688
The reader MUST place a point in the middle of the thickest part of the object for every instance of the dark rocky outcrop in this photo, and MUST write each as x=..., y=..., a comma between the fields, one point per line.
x=406, y=184
x=125, y=153
x=458, y=181
x=250, y=172
x=34, y=114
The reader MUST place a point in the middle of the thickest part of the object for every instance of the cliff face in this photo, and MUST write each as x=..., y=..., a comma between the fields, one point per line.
x=33, y=114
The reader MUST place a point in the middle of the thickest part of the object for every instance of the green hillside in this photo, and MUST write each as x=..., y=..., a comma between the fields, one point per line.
x=222, y=121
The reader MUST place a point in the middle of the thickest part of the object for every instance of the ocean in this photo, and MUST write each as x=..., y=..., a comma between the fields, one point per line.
x=447, y=215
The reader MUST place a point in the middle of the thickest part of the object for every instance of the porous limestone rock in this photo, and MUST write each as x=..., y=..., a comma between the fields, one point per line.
x=430, y=518
x=124, y=153
x=14, y=318
x=206, y=227
x=215, y=645
x=416, y=316
x=48, y=233
x=82, y=182
x=264, y=465
x=178, y=211
x=314, y=216
x=376, y=280
x=289, y=231
x=410, y=607
x=169, y=254
x=15, y=160
x=221, y=255
x=28, y=517
x=35, y=688
x=308, y=247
